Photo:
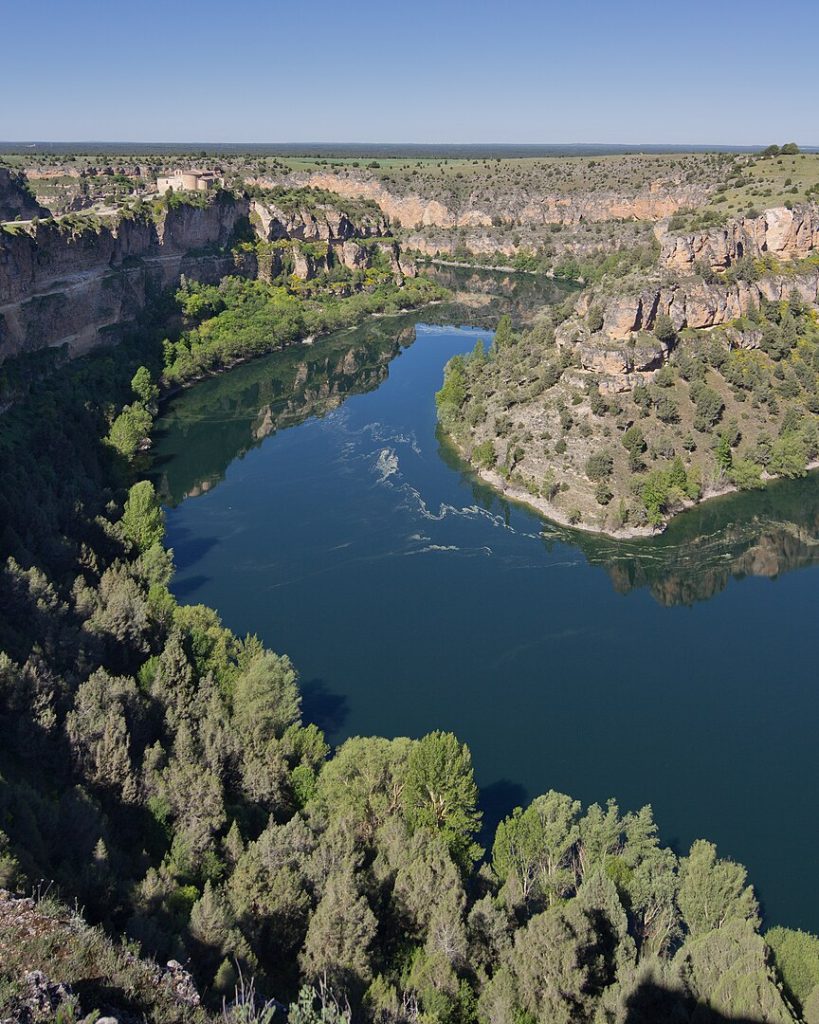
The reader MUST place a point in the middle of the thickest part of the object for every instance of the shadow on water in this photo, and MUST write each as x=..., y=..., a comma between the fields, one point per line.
x=184, y=589
x=188, y=549
x=319, y=704
x=497, y=801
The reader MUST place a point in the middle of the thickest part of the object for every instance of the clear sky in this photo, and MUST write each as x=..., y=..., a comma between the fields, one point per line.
x=633, y=71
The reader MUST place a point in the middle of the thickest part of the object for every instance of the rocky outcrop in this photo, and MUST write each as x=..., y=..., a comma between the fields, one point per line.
x=624, y=347
x=16, y=201
x=80, y=286
x=320, y=222
x=60, y=968
x=655, y=201
x=64, y=284
x=785, y=234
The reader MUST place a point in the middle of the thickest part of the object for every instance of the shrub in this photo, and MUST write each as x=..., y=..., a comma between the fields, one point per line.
x=599, y=465
x=484, y=455
x=664, y=329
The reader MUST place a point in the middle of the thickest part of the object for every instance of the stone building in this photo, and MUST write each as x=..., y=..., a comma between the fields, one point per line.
x=188, y=181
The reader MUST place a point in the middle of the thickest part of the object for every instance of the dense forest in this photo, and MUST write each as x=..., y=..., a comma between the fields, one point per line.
x=155, y=768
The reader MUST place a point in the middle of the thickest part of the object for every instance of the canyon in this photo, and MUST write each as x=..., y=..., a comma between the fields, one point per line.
x=80, y=282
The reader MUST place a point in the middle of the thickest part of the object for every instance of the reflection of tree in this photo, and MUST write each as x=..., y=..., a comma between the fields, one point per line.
x=759, y=533
x=219, y=420
x=763, y=533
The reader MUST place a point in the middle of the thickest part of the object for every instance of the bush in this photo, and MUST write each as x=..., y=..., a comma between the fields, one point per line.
x=664, y=329
x=599, y=465
x=484, y=455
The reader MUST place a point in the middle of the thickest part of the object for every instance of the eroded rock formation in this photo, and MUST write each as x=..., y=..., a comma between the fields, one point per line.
x=785, y=234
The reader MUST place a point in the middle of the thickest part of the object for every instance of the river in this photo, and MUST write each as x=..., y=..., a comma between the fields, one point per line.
x=311, y=500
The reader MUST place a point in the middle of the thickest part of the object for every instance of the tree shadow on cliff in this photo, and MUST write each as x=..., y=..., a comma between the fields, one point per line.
x=655, y=1004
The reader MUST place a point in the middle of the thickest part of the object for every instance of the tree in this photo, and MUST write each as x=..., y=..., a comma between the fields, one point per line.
x=144, y=388
x=713, y=891
x=210, y=920
x=796, y=955
x=599, y=465
x=130, y=429
x=709, y=407
x=364, y=782
x=788, y=456
x=452, y=395
x=503, y=332
x=341, y=931
x=635, y=444
x=655, y=495
x=535, y=849
x=142, y=520
x=594, y=318
x=266, y=699
x=440, y=793
x=664, y=329
x=558, y=963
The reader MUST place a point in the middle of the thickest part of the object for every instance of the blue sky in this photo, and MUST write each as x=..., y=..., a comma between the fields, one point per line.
x=447, y=71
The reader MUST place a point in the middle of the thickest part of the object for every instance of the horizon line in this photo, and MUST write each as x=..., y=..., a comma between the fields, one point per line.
x=31, y=142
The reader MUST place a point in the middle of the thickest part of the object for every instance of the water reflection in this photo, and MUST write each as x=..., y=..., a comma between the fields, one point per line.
x=206, y=428
x=764, y=533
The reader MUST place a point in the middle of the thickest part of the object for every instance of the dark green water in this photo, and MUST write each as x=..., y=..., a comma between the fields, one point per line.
x=311, y=501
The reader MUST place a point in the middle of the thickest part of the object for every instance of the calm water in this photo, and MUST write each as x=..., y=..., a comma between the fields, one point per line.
x=311, y=501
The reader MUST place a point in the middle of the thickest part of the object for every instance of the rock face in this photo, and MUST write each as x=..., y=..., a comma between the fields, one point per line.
x=780, y=232
x=77, y=287
x=323, y=222
x=15, y=199
x=82, y=287
x=651, y=203
x=625, y=346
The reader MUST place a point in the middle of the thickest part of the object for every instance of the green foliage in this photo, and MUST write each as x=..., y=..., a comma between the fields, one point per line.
x=599, y=465
x=129, y=430
x=452, y=394
x=256, y=318
x=503, y=333
x=664, y=329
x=713, y=891
x=142, y=520
x=789, y=456
x=796, y=955
x=440, y=793
x=534, y=849
x=484, y=454
x=746, y=474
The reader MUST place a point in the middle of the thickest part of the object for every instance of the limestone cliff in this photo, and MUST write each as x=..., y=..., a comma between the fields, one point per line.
x=71, y=285
x=624, y=347
x=321, y=222
x=653, y=202
x=786, y=234
x=16, y=201
x=79, y=284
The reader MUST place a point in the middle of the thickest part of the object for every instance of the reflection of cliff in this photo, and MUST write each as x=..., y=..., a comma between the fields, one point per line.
x=764, y=533
x=206, y=428
x=521, y=295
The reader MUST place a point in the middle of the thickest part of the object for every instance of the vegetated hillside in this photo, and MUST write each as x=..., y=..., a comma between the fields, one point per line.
x=646, y=395
x=157, y=768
